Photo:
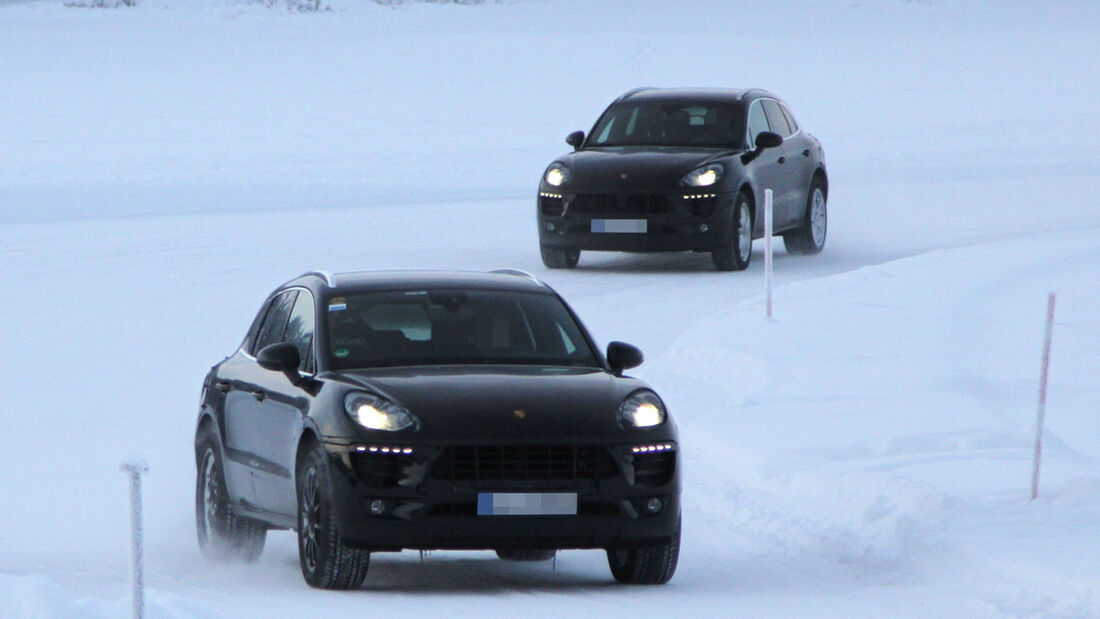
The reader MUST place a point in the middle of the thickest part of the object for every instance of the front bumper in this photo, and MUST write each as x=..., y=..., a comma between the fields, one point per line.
x=682, y=221
x=428, y=499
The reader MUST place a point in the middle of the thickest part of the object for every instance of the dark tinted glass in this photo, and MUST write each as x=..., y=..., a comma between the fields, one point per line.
x=299, y=330
x=758, y=122
x=790, y=119
x=275, y=322
x=776, y=118
x=685, y=123
x=445, y=327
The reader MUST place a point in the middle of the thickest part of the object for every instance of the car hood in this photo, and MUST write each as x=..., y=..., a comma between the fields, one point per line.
x=504, y=403
x=623, y=169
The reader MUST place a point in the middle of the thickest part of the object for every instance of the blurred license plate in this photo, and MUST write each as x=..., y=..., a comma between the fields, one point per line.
x=619, y=225
x=527, y=504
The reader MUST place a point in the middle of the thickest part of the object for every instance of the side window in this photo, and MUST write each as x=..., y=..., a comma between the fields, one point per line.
x=757, y=122
x=250, y=337
x=275, y=322
x=790, y=119
x=299, y=330
x=776, y=118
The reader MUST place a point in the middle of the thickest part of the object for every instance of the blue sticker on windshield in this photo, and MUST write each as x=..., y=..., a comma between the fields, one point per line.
x=338, y=304
x=340, y=352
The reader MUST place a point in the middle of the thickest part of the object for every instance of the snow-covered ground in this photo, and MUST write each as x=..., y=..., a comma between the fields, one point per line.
x=865, y=453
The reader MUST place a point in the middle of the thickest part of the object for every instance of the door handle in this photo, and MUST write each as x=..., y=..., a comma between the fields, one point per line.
x=806, y=153
x=782, y=160
x=259, y=395
x=222, y=386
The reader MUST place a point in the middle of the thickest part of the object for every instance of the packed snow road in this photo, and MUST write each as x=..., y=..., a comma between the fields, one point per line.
x=867, y=453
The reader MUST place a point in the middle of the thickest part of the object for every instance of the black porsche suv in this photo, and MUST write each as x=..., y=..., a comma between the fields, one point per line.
x=685, y=170
x=375, y=412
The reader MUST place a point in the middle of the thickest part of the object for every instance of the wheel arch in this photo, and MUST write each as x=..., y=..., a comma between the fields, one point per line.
x=820, y=176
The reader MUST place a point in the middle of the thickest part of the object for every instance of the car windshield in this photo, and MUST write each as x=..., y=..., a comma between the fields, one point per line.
x=450, y=327
x=664, y=123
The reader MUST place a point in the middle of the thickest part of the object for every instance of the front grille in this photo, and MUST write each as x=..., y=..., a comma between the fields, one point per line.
x=702, y=207
x=621, y=204
x=654, y=469
x=524, y=463
x=382, y=470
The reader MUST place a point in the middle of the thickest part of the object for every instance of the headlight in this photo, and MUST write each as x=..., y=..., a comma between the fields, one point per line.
x=377, y=413
x=643, y=409
x=557, y=175
x=704, y=176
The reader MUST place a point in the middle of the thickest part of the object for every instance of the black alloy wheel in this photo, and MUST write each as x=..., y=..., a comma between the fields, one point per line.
x=558, y=258
x=809, y=236
x=327, y=563
x=222, y=535
x=646, y=565
x=736, y=253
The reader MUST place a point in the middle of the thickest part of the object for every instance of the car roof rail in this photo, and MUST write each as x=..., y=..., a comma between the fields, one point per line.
x=634, y=91
x=519, y=273
x=330, y=279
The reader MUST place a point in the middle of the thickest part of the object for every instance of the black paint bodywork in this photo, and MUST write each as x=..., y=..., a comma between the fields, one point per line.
x=264, y=423
x=644, y=182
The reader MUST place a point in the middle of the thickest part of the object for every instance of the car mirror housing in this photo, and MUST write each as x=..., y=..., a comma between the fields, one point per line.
x=622, y=356
x=767, y=139
x=575, y=139
x=282, y=357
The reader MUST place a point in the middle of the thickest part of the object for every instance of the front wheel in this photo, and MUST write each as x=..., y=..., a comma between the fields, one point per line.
x=809, y=236
x=222, y=534
x=558, y=258
x=648, y=565
x=736, y=253
x=327, y=563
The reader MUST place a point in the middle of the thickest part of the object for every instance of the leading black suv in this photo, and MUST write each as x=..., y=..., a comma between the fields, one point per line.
x=685, y=170
x=374, y=412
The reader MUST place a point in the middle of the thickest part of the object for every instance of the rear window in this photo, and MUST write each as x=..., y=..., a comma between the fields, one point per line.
x=450, y=327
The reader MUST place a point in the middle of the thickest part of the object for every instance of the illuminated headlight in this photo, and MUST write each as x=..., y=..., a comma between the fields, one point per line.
x=557, y=175
x=377, y=413
x=704, y=176
x=643, y=409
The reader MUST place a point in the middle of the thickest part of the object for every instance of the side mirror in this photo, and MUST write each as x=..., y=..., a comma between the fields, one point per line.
x=767, y=139
x=575, y=139
x=282, y=357
x=622, y=356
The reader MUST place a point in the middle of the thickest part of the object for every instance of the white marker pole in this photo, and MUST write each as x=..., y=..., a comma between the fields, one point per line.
x=137, y=567
x=1037, y=458
x=768, y=250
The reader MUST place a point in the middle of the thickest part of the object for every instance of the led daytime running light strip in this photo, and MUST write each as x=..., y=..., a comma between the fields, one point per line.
x=700, y=196
x=652, y=448
x=544, y=194
x=399, y=451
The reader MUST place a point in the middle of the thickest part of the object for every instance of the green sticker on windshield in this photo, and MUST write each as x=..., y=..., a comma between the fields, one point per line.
x=341, y=352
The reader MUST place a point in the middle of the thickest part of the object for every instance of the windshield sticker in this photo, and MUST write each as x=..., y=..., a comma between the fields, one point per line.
x=340, y=353
x=338, y=304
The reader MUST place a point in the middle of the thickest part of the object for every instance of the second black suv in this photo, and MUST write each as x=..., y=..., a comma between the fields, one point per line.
x=685, y=170
x=374, y=412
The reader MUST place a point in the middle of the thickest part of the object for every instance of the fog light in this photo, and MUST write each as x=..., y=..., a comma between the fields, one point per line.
x=703, y=227
x=551, y=226
x=654, y=505
x=378, y=507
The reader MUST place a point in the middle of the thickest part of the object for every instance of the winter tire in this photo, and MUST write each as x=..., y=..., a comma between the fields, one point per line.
x=809, y=236
x=647, y=565
x=513, y=554
x=222, y=534
x=558, y=258
x=736, y=253
x=327, y=563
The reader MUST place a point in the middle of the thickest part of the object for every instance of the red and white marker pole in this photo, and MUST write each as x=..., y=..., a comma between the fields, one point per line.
x=768, y=251
x=1037, y=458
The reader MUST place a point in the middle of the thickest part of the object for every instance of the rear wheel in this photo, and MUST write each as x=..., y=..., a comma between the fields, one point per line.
x=512, y=554
x=327, y=563
x=647, y=565
x=559, y=258
x=222, y=534
x=736, y=253
x=809, y=236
